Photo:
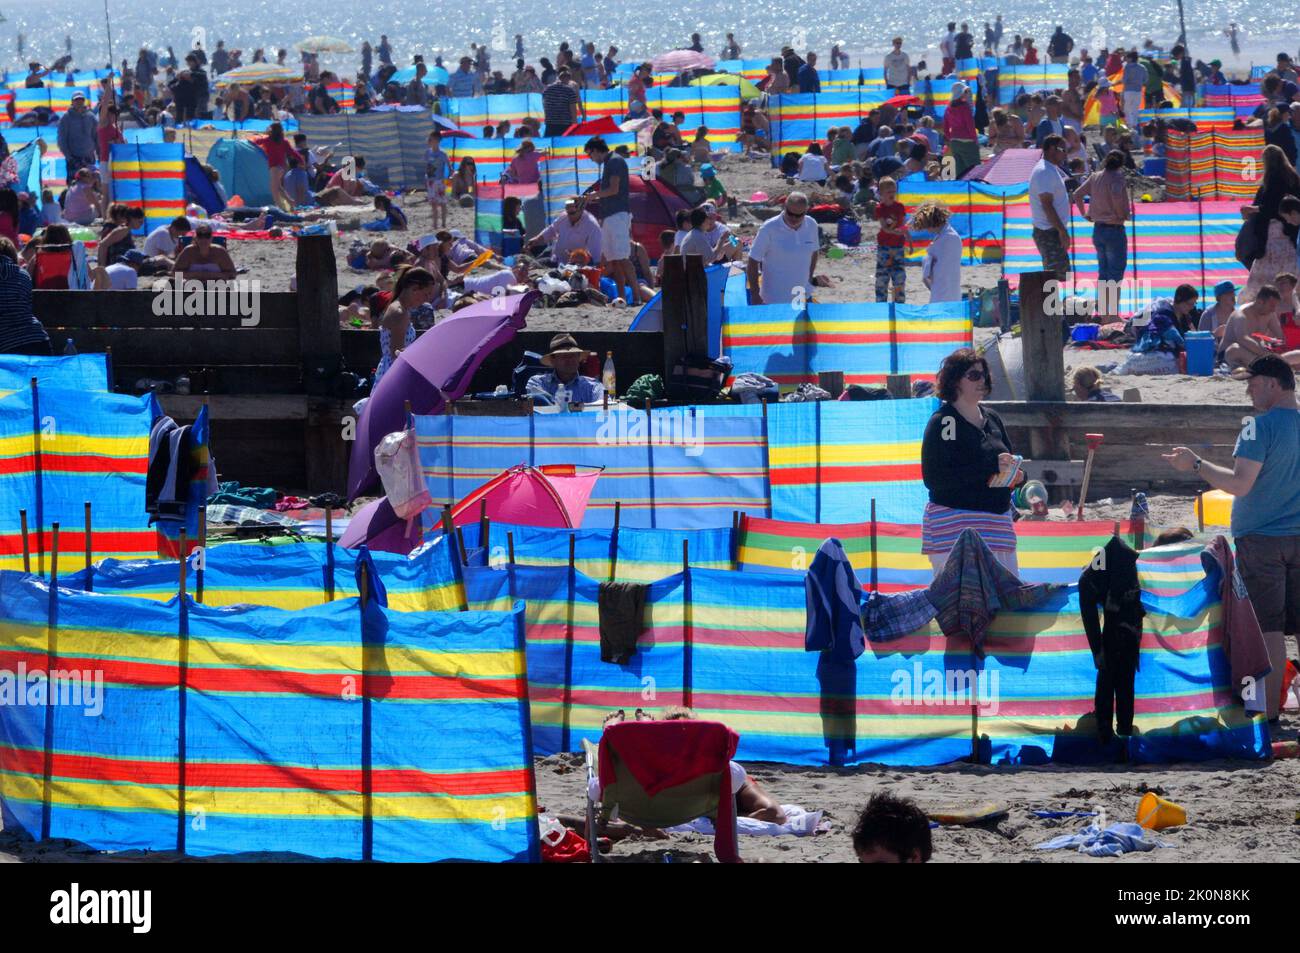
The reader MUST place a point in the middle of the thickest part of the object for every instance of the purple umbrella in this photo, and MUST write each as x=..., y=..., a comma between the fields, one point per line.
x=449, y=128
x=436, y=369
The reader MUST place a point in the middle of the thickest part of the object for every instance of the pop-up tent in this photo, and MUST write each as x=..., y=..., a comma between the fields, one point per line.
x=243, y=170
x=654, y=206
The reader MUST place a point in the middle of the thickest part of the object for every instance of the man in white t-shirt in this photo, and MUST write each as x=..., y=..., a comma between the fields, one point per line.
x=784, y=255
x=1049, y=202
x=898, y=68
x=164, y=239
x=948, y=50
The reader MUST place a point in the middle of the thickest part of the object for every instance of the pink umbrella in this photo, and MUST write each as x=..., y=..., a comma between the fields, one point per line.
x=678, y=61
x=549, y=495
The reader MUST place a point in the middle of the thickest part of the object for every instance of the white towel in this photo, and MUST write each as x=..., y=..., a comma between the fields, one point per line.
x=798, y=822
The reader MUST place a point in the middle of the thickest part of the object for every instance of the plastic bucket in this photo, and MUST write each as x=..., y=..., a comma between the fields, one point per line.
x=1200, y=353
x=1215, y=508
x=1155, y=813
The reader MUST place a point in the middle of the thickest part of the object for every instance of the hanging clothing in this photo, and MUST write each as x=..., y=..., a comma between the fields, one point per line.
x=973, y=586
x=621, y=607
x=385, y=351
x=834, y=623
x=1112, y=581
x=1242, y=636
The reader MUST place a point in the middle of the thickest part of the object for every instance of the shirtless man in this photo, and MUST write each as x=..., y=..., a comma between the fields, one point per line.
x=1258, y=317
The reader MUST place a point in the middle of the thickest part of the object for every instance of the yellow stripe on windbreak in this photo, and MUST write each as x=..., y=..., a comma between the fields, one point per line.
x=847, y=454
x=61, y=441
x=162, y=649
x=265, y=803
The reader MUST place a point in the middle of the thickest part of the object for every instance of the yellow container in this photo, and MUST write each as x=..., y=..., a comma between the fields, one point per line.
x=1214, y=508
x=1155, y=813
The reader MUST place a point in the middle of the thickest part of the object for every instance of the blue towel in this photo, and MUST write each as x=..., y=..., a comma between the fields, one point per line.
x=1114, y=840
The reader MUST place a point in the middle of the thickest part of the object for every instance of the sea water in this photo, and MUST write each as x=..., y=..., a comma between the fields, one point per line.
x=640, y=28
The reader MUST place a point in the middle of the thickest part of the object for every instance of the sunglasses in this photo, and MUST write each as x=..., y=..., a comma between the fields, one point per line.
x=975, y=374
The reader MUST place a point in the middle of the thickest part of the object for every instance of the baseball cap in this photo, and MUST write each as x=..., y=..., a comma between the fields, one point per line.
x=1270, y=365
x=1223, y=287
x=78, y=95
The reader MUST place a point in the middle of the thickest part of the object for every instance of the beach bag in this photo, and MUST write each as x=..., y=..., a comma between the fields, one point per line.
x=848, y=232
x=397, y=459
x=698, y=378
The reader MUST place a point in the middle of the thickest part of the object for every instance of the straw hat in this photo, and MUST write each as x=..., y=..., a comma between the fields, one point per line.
x=563, y=344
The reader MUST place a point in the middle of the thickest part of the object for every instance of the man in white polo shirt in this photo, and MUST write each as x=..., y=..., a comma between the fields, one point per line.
x=1049, y=202
x=784, y=255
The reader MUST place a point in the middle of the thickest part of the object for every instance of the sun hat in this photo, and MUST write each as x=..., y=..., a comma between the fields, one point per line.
x=1223, y=287
x=959, y=90
x=563, y=344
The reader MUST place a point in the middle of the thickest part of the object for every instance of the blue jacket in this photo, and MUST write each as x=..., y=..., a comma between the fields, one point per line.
x=834, y=623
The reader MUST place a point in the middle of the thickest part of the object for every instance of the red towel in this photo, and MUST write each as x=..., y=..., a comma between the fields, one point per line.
x=664, y=754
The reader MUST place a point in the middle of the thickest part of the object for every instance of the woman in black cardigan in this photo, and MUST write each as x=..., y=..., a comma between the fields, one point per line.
x=965, y=446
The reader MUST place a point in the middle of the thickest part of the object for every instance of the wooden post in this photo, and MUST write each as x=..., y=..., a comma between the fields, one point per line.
x=613, y=540
x=832, y=382
x=1044, y=362
x=510, y=547
x=40, y=480
x=1200, y=511
x=27, y=548
x=687, y=642
x=54, y=556
x=874, y=574
x=87, y=541
x=460, y=542
x=320, y=345
x=203, y=554
x=183, y=563
x=899, y=386
x=685, y=309
x=483, y=527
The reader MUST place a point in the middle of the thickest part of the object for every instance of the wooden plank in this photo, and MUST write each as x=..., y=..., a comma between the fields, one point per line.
x=229, y=407
x=1102, y=418
x=135, y=309
x=188, y=348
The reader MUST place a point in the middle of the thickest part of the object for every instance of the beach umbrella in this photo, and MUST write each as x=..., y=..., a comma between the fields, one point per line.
x=323, y=44
x=251, y=74
x=377, y=526
x=676, y=61
x=434, y=76
x=433, y=371
x=747, y=89
x=554, y=494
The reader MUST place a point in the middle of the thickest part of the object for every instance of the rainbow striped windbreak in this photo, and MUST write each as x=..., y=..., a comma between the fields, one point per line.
x=492, y=156
x=978, y=215
x=731, y=645
x=1207, y=118
x=57, y=99
x=1243, y=100
x=150, y=176
x=1046, y=552
x=61, y=448
x=54, y=167
x=285, y=576
x=1039, y=78
x=1170, y=243
x=684, y=467
x=800, y=119
x=72, y=372
x=472, y=113
x=331, y=731
x=865, y=340
x=1223, y=164
x=488, y=211
x=717, y=108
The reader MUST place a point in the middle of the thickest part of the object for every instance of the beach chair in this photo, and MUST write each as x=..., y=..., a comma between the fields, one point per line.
x=52, y=266
x=664, y=773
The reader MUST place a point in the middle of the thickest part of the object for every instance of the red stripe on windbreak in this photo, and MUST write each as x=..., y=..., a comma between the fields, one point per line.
x=115, y=672
x=235, y=775
x=104, y=542
x=73, y=463
x=884, y=473
x=426, y=687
